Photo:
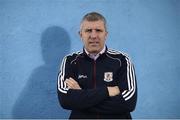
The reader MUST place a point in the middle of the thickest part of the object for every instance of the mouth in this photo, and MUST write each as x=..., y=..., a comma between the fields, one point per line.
x=94, y=43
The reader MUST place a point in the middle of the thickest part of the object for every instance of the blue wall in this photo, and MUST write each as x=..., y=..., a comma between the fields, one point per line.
x=36, y=34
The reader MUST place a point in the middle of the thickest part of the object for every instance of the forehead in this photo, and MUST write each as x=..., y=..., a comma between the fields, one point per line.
x=92, y=24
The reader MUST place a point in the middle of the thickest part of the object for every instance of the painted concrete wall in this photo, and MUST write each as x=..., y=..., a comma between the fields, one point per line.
x=36, y=34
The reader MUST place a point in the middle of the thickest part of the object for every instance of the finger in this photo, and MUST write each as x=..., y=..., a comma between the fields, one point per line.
x=66, y=82
x=72, y=84
x=69, y=84
x=72, y=79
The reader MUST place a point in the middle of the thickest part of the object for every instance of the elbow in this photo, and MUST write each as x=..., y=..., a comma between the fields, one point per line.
x=131, y=105
x=64, y=105
x=67, y=102
x=131, y=108
x=69, y=105
x=63, y=102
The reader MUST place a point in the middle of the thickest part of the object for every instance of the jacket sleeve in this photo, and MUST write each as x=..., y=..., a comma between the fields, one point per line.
x=126, y=100
x=77, y=99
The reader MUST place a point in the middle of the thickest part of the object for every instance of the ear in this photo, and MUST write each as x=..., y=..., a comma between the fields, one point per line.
x=80, y=34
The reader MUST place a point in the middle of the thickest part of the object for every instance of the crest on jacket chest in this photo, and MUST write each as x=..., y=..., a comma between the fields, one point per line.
x=108, y=76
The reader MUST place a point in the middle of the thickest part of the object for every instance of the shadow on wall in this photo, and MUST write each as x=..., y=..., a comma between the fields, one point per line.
x=39, y=96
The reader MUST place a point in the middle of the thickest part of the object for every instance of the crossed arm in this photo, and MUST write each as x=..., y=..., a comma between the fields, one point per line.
x=72, y=84
x=105, y=99
x=114, y=104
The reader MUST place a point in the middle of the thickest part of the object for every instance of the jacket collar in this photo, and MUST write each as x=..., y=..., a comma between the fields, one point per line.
x=102, y=52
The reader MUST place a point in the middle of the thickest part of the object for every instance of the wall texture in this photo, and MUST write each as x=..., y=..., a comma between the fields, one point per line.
x=36, y=34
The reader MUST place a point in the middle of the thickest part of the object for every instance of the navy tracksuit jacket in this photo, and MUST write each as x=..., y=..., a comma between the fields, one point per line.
x=111, y=68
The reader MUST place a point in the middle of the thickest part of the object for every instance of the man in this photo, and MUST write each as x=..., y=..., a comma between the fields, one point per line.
x=98, y=82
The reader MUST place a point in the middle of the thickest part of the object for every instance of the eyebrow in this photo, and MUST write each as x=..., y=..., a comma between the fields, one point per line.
x=97, y=29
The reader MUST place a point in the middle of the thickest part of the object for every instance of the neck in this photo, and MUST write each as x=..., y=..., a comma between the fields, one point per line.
x=93, y=53
x=96, y=53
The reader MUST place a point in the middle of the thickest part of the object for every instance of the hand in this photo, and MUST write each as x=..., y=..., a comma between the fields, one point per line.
x=113, y=91
x=72, y=84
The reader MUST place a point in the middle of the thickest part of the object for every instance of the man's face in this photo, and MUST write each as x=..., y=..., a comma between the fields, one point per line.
x=93, y=35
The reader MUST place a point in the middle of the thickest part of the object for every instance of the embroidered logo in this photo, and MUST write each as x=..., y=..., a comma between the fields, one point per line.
x=82, y=76
x=108, y=76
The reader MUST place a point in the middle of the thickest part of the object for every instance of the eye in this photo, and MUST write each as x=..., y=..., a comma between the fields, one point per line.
x=88, y=30
x=99, y=30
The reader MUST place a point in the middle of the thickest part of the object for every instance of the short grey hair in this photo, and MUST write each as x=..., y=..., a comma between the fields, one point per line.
x=94, y=16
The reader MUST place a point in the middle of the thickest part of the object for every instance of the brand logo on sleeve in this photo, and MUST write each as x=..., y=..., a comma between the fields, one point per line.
x=108, y=76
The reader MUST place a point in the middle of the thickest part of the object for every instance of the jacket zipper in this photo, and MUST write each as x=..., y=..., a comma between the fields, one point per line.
x=94, y=74
x=94, y=78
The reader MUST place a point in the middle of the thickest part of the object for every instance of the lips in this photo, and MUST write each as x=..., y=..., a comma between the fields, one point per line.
x=94, y=43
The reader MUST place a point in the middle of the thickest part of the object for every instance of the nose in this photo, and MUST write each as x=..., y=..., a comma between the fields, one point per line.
x=93, y=34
